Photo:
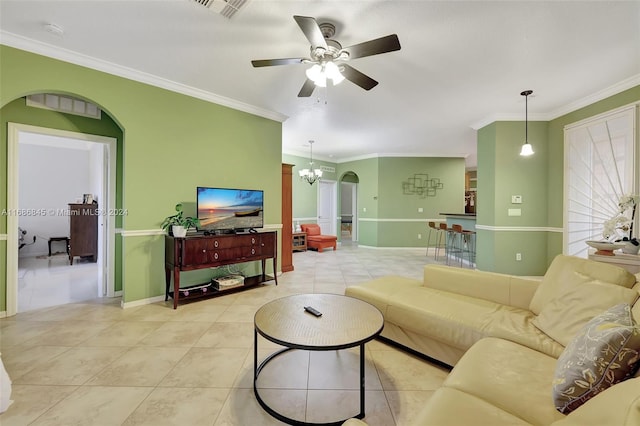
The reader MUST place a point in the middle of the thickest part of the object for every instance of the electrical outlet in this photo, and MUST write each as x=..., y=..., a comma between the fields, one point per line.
x=419, y=236
x=518, y=257
x=420, y=210
x=364, y=209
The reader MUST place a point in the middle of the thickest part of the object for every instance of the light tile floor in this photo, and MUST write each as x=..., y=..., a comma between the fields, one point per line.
x=93, y=363
x=49, y=281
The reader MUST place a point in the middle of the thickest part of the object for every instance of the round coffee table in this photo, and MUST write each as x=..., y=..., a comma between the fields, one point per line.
x=346, y=322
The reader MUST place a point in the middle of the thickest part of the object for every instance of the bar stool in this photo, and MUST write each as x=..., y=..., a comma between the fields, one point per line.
x=437, y=233
x=444, y=232
x=454, y=243
x=469, y=246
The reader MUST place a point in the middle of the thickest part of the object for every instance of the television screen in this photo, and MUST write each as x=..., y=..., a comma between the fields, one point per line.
x=229, y=209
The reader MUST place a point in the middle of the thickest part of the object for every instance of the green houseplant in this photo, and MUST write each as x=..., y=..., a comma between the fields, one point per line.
x=179, y=223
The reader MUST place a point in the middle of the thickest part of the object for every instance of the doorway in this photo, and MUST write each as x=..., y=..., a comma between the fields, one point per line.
x=101, y=154
x=327, y=210
x=348, y=209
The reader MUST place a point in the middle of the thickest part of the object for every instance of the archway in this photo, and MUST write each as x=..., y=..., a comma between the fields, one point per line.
x=349, y=207
x=59, y=126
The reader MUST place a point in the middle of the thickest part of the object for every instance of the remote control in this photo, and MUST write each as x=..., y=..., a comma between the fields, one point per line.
x=313, y=311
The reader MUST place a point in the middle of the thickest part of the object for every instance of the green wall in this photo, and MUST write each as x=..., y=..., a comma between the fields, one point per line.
x=503, y=172
x=387, y=217
x=368, y=172
x=401, y=223
x=539, y=179
x=171, y=144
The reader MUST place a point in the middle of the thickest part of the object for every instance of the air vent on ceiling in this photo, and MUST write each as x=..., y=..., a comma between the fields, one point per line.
x=226, y=8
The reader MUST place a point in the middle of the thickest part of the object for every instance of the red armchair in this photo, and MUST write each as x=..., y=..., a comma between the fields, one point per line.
x=316, y=240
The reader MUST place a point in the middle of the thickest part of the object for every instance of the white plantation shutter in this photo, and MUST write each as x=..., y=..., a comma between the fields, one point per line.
x=599, y=168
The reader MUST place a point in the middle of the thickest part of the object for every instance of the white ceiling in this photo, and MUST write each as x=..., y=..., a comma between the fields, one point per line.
x=462, y=64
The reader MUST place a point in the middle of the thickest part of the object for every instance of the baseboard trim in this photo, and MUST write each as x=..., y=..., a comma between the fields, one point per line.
x=141, y=302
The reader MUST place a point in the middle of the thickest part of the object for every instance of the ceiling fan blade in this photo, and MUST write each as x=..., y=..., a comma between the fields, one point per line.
x=355, y=76
x=270, y=62
x=311, y=30
x=307, y=89
x=385, y=44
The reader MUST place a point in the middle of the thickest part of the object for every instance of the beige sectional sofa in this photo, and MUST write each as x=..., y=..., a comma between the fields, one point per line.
x=490, y=328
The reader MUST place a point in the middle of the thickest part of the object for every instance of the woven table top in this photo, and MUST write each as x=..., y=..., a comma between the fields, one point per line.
x=345, y=321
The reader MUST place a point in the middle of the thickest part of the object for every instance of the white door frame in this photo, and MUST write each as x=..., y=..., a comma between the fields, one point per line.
x=354, y=211
x=332, y=220
x=13, y=140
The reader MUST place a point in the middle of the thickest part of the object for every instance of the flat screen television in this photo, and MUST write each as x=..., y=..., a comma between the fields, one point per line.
x=226, y=209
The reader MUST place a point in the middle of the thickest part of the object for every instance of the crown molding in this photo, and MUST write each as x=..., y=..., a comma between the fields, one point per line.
x=65, y=55
x=508, y=117
x=369, y=156
x=619, y=87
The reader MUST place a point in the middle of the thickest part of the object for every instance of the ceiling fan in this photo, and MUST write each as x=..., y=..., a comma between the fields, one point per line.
x=329, y=57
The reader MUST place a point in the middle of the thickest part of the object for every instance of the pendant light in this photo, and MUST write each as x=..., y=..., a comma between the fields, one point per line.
x=526, y=148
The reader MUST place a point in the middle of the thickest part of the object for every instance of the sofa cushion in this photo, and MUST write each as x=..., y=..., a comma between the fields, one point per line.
x=605, y=352
x=378, y=291
x=452, y=407
x=563, y=317
x=619, y=405
x=566, y=272
x=311, y=229
x=457, y=320
x=322, y=238
x=491, y=286
x=510, y=376
x=518, y=327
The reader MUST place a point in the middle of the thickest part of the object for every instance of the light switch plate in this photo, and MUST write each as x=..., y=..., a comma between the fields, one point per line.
x=516, y=199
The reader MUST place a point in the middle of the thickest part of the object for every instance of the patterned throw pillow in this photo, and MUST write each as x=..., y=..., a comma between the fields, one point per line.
x=606, y=351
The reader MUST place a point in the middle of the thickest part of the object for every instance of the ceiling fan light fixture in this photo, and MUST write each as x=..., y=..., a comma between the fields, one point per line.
x=317, y=75
x=320, y=73
x=333, y=72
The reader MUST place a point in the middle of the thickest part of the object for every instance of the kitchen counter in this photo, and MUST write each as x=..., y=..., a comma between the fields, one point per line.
x=466, y=220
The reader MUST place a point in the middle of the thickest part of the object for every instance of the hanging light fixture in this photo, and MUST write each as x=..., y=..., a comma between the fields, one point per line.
x=526, y=148
x=319, y=73
x=310, y=175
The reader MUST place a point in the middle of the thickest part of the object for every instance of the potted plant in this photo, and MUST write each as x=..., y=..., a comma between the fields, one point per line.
x=624, y=223
x=179, y=223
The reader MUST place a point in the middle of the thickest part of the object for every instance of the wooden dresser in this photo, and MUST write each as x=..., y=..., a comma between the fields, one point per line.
x=210, y=251
x=83, y=231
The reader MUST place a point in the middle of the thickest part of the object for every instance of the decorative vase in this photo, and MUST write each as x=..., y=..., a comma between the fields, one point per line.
x=179, y=231
x=630, y=248
x=604, y=248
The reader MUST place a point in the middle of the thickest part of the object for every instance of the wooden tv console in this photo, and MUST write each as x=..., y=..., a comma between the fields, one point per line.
x=210, y=251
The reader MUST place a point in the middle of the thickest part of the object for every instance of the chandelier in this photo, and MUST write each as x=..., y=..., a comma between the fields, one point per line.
x=310, y=175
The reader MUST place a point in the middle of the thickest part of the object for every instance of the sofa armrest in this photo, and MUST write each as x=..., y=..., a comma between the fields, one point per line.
x=505, y=289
